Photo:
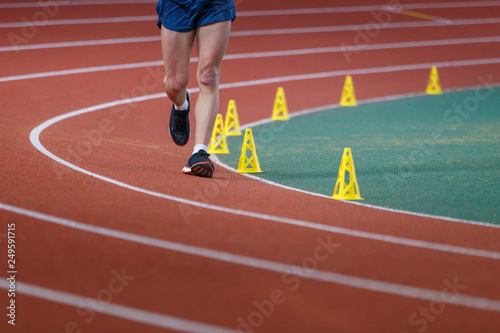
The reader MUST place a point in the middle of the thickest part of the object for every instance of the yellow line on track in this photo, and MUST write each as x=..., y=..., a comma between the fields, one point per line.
x=419, y=15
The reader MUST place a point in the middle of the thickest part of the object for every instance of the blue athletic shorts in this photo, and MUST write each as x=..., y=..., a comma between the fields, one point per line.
x=187, y=15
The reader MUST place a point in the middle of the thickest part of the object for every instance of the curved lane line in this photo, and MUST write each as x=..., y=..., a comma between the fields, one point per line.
x=114, y=310
x=277, y=267
x=360, y=71
x=35, y=140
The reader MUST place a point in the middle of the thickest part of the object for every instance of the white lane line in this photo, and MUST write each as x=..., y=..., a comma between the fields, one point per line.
x=456, y=41
x=262, y=264
x=356, y=9
x=81, y=71
x=347, y=47
x=35, y=140
x=334, y=106
x=392, y=25
x=398, y=25
x=114, y=310
x=64, y=3
x=81, y=43
x=301, y=11
x=121, y=19
x=361, y=71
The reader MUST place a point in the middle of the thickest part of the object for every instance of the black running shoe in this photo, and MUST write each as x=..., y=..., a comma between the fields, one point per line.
x=200, y=165
x=179, y=124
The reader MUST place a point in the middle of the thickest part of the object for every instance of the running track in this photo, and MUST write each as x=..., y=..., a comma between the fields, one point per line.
x=112, y=237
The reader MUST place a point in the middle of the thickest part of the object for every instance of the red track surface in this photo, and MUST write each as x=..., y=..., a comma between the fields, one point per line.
x=139, y=152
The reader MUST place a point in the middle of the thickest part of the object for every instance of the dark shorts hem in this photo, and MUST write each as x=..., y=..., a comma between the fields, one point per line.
x=189, y=15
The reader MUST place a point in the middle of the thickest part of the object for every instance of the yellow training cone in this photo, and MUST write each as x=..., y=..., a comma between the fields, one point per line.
x=347, y=190
x=232, y=123
x=280, y=110
x=434, y=84
x=348, y=96
x=218, y=142
x=248, y=164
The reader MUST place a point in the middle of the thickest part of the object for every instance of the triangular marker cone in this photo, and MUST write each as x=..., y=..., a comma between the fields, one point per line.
x=248, y=164
x=232, y=123
x=280, y=109
x=218, y=142
x=347, y=190
x=348, y=96
x=433, y=84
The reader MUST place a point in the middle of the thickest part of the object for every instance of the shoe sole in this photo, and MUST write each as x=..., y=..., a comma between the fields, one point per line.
x=202, y=169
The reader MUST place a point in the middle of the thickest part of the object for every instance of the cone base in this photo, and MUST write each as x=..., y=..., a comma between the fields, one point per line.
x=346, y=197
x=348, y=104
x=280, y=118
x=249, y=171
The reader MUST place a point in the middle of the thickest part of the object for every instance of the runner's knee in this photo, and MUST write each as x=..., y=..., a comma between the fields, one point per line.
x=208, y=77
x=174, y=85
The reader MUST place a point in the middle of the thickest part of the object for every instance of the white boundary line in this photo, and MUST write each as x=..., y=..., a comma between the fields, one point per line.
x=442, y=42
x=397, y=25
x=115, y=310
x=65, y=3
x=335, y=106
x=121, y=19
x=94, y=42
x=81, y=71
x=301, y=11
x=356, y=9
x=125, y=19
x=34, y=135
x=35, y=140
x=277, y=267
x=332, y=49
x=238, y=56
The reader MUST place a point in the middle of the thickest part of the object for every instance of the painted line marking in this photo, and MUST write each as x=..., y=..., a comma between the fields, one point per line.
x=398, y=25
x=258, y=55
x=114, y=310
x=301, y=11
x=124, y=19
x=395, y=45
x=426, y=16
x=35, y=140
x=34, y=135
x=64, y=3
x=358, y=9
x=82, y=71
x=94, y=42
x=262, y=264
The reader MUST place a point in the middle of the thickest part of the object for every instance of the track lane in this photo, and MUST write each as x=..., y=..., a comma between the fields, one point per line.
x=350, y=58
x=34, y=34
x=174, y=170
x=306, y=243
x=68, y=319
x=174, y=286
x=51, y=34
x=296, y=89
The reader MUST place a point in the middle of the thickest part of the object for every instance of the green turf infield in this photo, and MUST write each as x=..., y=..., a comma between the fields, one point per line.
x=436, y=155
